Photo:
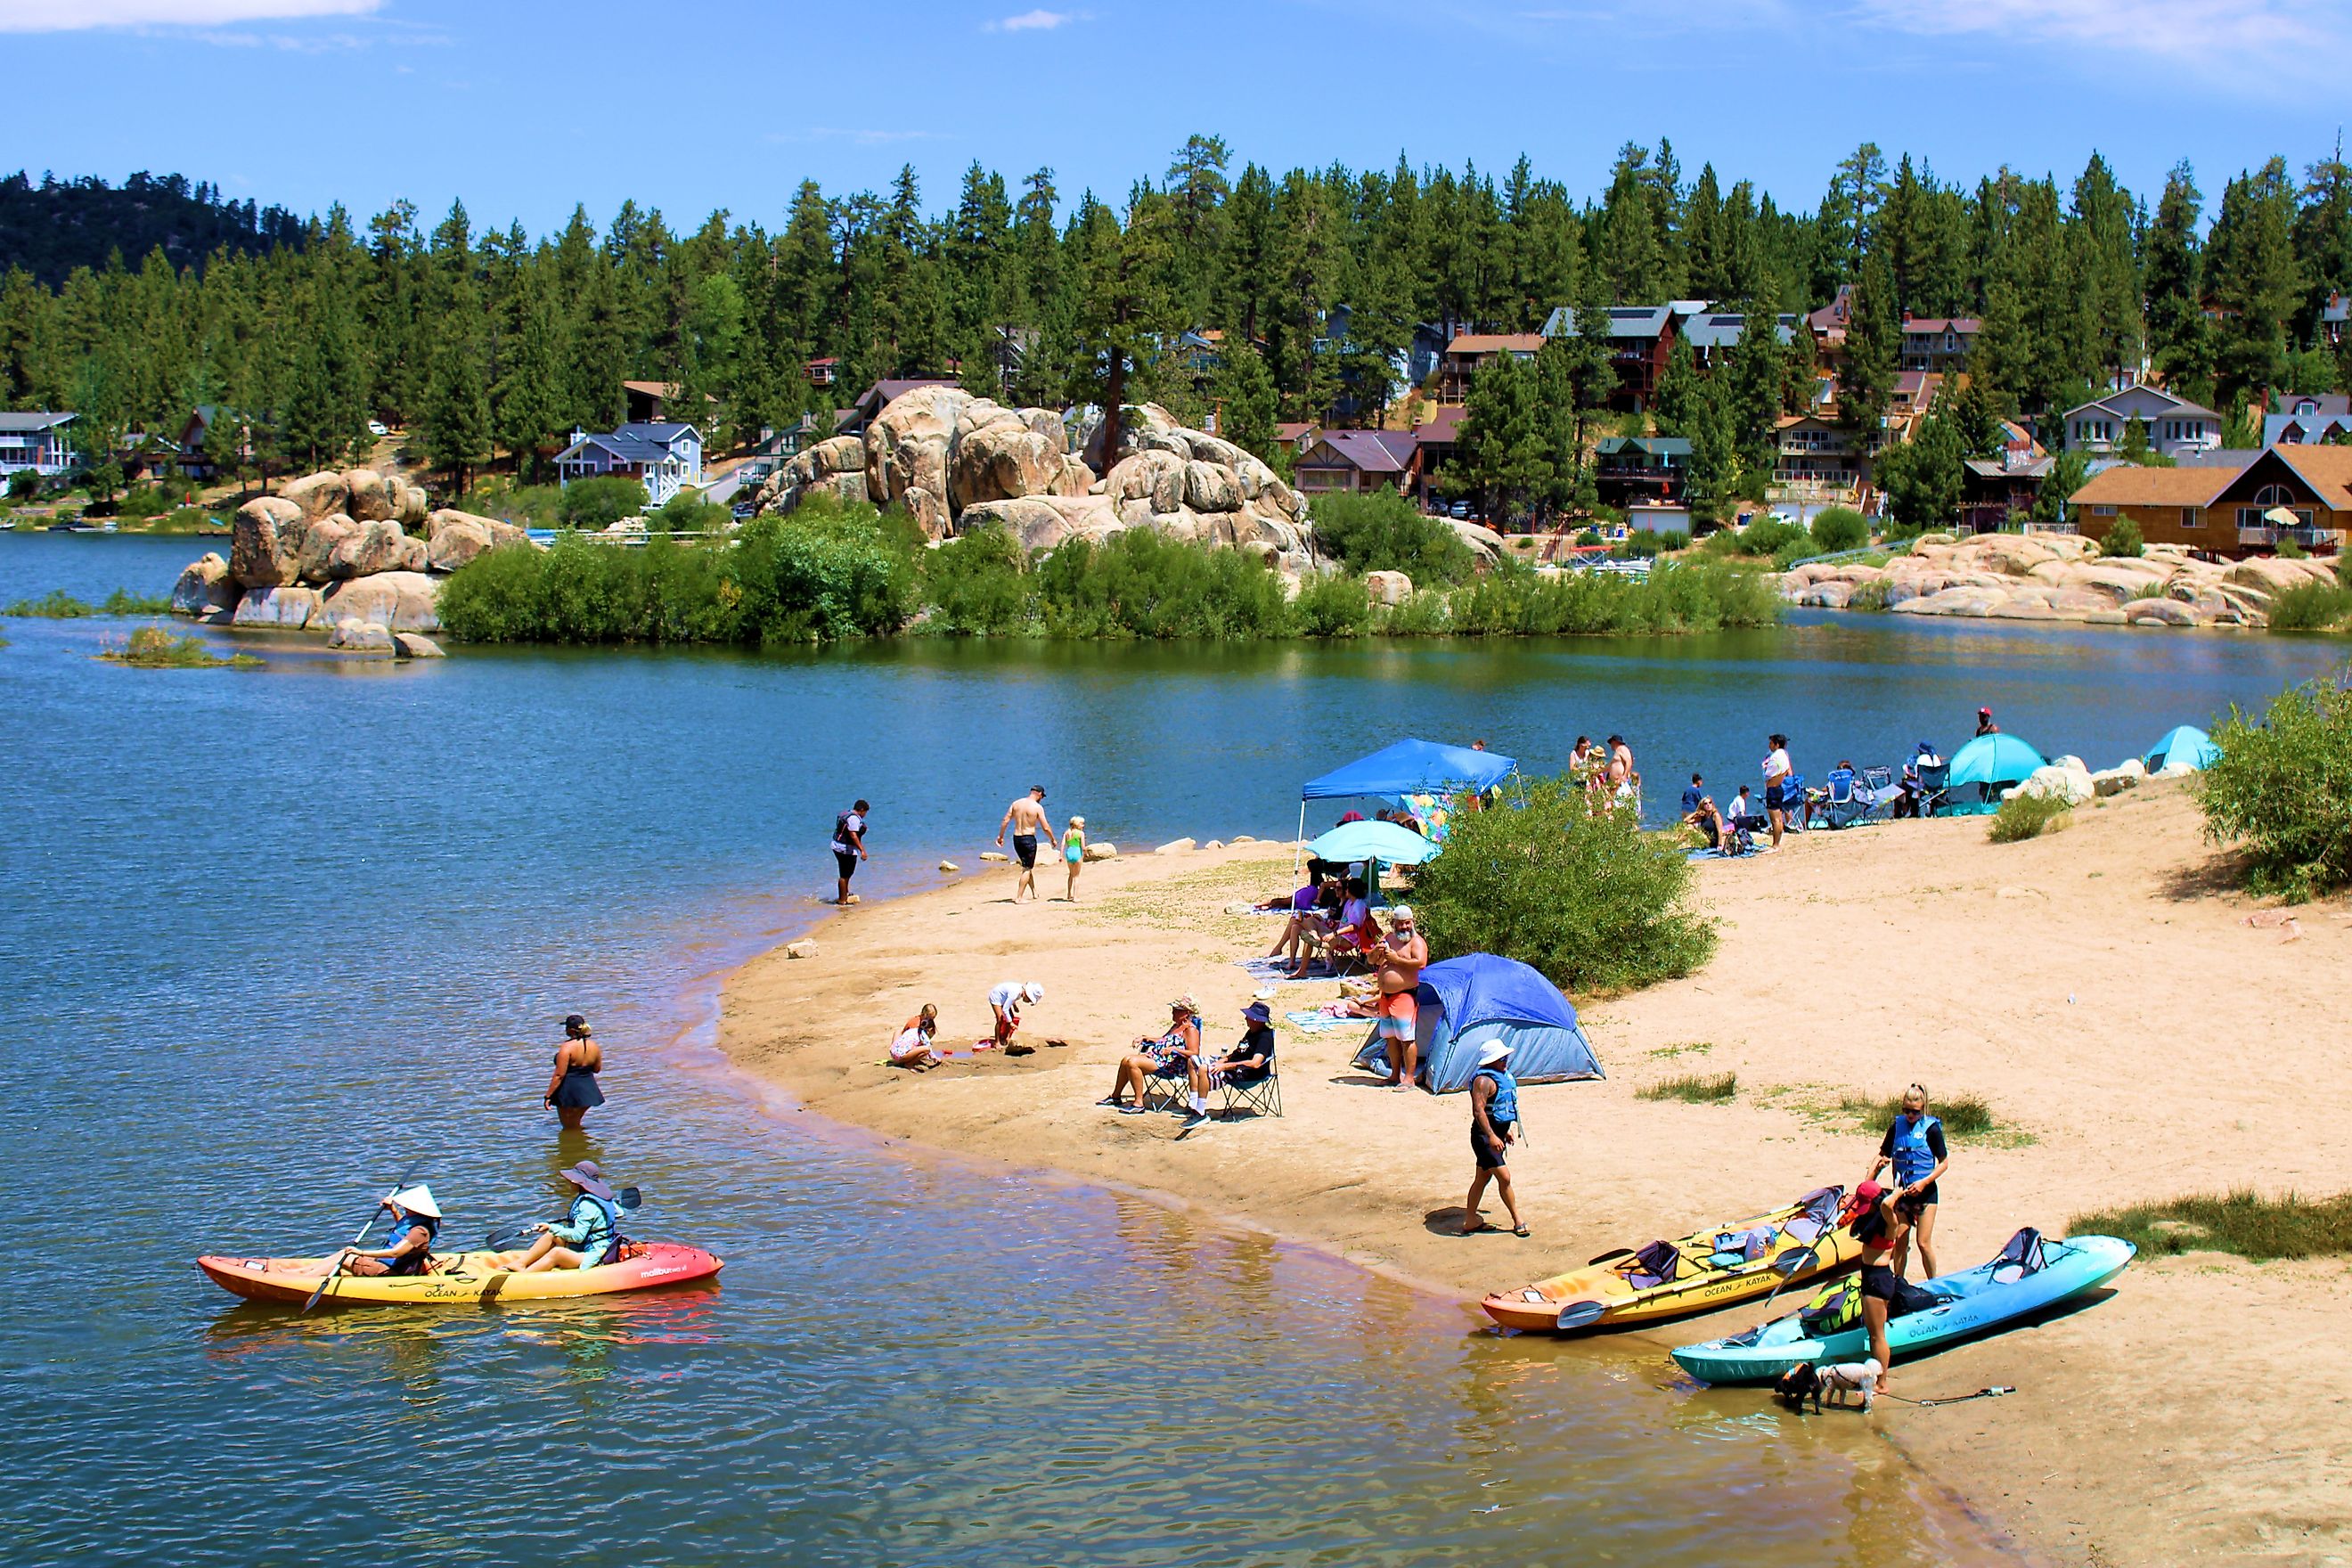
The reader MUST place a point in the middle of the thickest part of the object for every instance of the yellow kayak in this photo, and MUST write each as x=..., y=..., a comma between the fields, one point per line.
x=1717, y=1267
x=458, y=1279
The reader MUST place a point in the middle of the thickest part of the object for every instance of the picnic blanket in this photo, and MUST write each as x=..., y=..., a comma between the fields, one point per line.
x=1706, y=854
x=1316, y=1019
x=1275, y=971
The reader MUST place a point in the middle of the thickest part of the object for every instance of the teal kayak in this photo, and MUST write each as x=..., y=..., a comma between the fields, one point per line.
x=2031, y=1274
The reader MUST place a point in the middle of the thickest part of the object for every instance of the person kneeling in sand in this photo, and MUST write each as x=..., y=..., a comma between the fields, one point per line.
x=913, y=1047
x=1005, y=1000
x=1170, y=1055
x=1399, y=957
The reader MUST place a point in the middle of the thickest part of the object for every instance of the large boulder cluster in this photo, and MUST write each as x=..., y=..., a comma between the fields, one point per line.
x=335, y=550
x=955, y=463
x=2057, y=577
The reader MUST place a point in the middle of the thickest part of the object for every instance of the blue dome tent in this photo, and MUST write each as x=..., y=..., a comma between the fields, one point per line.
x=2184, y=745
x=1468, y=1001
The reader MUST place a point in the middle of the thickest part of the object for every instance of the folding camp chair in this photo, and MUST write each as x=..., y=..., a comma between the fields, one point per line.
x=1261, y=1092
x=1839, y=807
x=1935, y=790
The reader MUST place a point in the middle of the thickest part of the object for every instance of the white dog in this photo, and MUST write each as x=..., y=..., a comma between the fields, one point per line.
x=1839, y=1383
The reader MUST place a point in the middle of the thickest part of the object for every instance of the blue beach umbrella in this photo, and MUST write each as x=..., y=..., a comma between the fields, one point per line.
x=1994, y=759
x=1372, y=840
x=2185, y=746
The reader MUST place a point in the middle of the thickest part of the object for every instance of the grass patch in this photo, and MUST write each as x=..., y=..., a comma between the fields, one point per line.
x=2243, y=1223
x=1194, y=902
x=1963, y=1115
x=152, y=647
x=1870, y=595
x=60, y=605
x=1686, y=1048
x=1693, y=1088
x=2024, y=816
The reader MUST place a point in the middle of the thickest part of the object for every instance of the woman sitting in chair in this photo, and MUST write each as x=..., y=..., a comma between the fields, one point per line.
x=1169, y=1056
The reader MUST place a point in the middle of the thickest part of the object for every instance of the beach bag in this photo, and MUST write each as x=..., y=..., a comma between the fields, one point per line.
x=1832, y=1310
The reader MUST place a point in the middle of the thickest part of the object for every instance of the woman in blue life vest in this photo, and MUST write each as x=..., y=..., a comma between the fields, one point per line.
x=589, y=1235
x=1914, y=1147
x=415, y=1220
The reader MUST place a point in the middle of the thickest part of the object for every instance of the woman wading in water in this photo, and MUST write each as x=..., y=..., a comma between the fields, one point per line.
x=573, y=1089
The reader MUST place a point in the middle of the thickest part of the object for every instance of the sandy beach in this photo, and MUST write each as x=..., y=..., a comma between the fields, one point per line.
x=2136, y=1037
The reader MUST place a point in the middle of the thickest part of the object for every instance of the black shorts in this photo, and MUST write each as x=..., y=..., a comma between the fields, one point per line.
x=1024, y=849
x=1489, y=1152
x=846, y=862
x=1775, y=798
x=1926, y=1198
x=1879, y=1283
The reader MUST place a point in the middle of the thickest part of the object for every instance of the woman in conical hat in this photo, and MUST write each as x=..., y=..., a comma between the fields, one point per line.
x=415, y=1221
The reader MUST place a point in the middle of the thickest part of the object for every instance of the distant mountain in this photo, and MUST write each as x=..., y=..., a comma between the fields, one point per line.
x=51, y=229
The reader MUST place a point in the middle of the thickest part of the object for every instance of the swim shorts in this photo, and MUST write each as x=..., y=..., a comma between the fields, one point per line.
x=1395, y=1015
x=1489, y=1153
x=1880, y=1282
x=845, y=863
x=1025, y=848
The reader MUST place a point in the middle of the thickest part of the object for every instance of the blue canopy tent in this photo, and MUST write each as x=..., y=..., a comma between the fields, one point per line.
x=1987, y=761
x=2184, y=746
x=1407, y=767
x=1465, y=1001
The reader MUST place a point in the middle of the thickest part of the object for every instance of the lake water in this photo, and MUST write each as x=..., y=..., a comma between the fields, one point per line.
x=272, y=936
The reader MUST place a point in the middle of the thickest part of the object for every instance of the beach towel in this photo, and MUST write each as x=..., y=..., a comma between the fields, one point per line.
x=1314, y=1019
x=1265, y=969
x=1718, y=855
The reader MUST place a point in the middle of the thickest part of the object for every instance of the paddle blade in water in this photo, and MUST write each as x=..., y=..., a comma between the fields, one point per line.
x=628, y=1198
x=1580, y=1315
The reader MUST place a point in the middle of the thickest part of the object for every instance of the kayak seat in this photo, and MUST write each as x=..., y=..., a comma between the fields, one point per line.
x=1655, y=1265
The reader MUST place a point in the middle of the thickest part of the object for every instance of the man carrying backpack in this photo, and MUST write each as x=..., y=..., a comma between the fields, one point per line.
x=849, y=847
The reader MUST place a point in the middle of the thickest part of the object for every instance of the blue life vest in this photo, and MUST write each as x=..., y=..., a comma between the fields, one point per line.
x=1503, y=1108
x=1913, y=1158
x=593, y=1248
x=411, y=1262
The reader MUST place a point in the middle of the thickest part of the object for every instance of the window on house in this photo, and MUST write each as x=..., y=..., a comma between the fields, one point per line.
x=2192, y=517
x=2103, y=512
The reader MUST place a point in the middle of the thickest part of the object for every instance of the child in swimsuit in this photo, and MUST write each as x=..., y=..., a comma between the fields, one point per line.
x=1074, y=854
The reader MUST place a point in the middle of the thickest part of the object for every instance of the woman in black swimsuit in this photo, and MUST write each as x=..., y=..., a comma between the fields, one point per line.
x=1883, y=1226
x=572, y=1091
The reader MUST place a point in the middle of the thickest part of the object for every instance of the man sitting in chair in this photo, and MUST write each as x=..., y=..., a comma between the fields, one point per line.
x=1248, y=1063
x=1913, y=793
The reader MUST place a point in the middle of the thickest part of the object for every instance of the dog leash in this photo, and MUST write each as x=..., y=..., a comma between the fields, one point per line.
x=1994, y=1391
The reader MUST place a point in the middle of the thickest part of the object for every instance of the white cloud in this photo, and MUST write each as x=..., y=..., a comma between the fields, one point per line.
x=1037, y=21
x=74, y=15
x=2204, y=34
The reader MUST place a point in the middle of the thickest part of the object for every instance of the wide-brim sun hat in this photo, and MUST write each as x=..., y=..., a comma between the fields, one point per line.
x=1492, y=1052
x=589, y=1178
x=1258, y=1013
x=418, y=1199
x=1032, y=992
x=1184, y=1003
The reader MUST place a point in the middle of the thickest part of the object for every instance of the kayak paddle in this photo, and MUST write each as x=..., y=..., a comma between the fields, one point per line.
x=507, y=1236
x=1788, y=1265
x=380, y=1205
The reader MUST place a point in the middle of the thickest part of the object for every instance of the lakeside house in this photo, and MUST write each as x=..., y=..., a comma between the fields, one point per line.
x=1641, y=470
x=1939, y=343
x=2176, y=427
x=1467, y=352
x=665, y=457
x=1641, y=342
x=1713, y=334
x=36, y=441
x=1995, y=490
x=2292, y=492
x=655, y=402
x=1359, y=461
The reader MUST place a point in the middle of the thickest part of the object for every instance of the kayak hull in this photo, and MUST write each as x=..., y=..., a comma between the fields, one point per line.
x=462, y=1279
x=1762, y=1355
x=1538, y=1308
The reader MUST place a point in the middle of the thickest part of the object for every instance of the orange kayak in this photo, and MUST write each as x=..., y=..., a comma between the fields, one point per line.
x=458, y=1279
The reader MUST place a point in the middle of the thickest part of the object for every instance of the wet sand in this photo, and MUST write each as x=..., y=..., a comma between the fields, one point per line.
x=2100, y=987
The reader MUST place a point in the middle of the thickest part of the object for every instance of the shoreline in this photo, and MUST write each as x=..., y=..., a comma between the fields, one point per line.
x=2092, y=1118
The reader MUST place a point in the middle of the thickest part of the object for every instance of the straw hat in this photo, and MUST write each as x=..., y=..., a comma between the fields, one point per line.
x=589, y=1177
x=1185, y=1004
x=418, y=1199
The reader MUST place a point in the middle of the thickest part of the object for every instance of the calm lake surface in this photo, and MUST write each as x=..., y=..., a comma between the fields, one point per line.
x=272, y=936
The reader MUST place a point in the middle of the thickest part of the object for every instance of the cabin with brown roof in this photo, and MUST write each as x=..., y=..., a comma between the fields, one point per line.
x=1359, y=461
x=2228, y=511
x=1468, y=351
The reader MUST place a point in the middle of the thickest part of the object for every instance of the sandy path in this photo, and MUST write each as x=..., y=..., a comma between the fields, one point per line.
x=2136, y=1038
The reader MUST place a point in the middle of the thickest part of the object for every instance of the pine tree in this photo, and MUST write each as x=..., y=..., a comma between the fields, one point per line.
x=527, y=409
x=1247, y=403
x=2178, y=335
x=2102, y=231
x=1126, y=303
x=1679, y=393
x=2256, y=284
x=1873, y=348
x=457, y=411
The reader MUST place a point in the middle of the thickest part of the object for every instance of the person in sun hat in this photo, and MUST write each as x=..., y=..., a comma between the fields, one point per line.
x=589, y=1235
x=1494, y=1124
x=415, y=1221
x=1170, y=1055
x=1248, y=1062
x=1005, y=1000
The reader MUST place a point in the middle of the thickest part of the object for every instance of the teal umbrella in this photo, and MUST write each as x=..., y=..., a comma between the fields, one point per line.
x=1372, y=840
x=1994, y=759
x=2183, y=746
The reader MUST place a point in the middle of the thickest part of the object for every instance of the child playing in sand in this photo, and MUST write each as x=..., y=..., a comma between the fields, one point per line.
x=913, y=1047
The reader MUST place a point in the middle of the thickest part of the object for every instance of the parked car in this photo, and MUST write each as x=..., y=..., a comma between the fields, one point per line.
x=1459, y=512
x=378, y=427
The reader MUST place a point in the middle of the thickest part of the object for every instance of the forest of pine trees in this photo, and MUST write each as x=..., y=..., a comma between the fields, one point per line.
x=492, y=345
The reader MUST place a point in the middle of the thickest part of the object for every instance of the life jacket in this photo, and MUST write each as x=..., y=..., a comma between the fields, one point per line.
x=841, y=831
x=1913, y=1158
x=610, y=1252
x=1503, y=1107
x=412, y=1262
x=1832, y=1310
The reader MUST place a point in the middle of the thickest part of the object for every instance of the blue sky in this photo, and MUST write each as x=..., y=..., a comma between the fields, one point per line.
x=523, y=108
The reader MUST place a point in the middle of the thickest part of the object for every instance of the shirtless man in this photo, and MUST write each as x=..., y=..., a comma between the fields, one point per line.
x=1399, y=961
x=1027, y=820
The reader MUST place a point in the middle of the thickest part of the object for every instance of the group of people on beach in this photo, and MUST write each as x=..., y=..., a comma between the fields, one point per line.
x=1607, y=772
x=1730, y=828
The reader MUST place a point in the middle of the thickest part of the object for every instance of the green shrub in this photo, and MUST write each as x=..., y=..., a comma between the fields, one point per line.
x=1141, y=585
x=1517, y=601
x=1693, y=1088
x=2282, y=790
x=2024, y=816
x=1766, y=536
x=526, y=506
x=591, y=505
x=1584, y=896
x=2311, y=607
x=1332, y=604
x=2243, y=1223
x=2122, y=539
x=978, y=584
x=1870, y=595
x=688, y=513
x=59, y=606
x=1963, y=1115
x=1839, y=528
x=2288, y=550
x=1645, y=545
x=1382, y=532
x=152, y=647
x=149, y=500
x=24, y=485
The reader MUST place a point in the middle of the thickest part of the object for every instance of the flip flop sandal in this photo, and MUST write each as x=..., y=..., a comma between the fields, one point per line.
x=1519, y=1230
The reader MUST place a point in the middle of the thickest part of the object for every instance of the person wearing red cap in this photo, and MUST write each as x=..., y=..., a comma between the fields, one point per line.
x=1882, y=1226
x=1985, y=726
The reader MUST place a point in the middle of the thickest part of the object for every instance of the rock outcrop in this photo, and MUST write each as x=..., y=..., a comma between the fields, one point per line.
x=2056, y=577
x=337, y=550
x=955, y=463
